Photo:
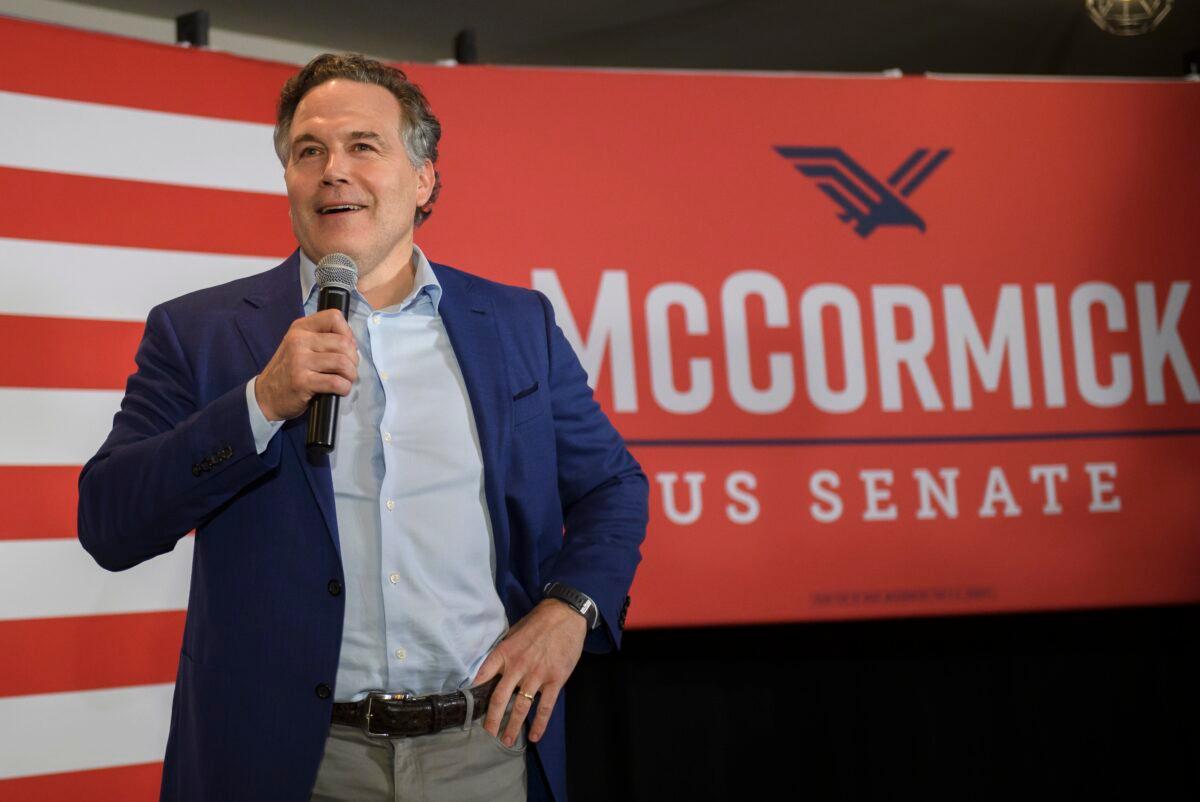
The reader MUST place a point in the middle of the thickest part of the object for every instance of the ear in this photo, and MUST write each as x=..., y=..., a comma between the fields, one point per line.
x=425, y=179
x=288, y=185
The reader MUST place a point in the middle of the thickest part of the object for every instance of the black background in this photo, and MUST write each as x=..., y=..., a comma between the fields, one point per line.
x=999, y=37
x=1093, y=704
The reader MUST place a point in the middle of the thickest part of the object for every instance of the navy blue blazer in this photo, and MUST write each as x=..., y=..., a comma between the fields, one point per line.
x=260, y=648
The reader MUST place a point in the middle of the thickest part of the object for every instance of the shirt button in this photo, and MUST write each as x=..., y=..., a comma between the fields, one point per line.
x=383, y=375
x=401, y=654
x=387, y=437
x=394, y=578
x=375, y=318
x=391, y=505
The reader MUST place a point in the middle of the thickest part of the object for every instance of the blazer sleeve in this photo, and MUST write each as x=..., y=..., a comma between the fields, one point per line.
x=604, y=493
x=167, y=464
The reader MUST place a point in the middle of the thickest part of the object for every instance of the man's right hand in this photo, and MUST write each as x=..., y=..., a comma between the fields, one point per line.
x=317, y=355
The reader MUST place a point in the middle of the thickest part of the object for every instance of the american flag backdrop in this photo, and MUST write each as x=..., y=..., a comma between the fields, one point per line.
x=132, y=173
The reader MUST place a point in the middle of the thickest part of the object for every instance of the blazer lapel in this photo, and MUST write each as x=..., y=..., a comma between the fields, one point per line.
x=470, y=323
x=263, y=322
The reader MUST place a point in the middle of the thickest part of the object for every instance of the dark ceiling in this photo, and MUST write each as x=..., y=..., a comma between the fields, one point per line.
x=1048, y=37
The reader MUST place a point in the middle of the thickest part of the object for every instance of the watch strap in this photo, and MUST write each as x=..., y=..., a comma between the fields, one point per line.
x=578, y=601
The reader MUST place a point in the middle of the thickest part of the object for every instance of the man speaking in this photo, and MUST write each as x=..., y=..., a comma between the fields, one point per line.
x=395, y=618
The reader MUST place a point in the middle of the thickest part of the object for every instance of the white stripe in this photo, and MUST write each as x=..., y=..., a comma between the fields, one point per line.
x=55, y=279
x=57, y=732
x=69, y=136
x=54, y=427
x=56, y=578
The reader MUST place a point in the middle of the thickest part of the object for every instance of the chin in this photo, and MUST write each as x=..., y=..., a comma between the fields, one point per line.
x=323, y=249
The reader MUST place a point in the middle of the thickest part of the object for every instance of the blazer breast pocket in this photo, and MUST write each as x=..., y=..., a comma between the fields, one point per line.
x=528, y=404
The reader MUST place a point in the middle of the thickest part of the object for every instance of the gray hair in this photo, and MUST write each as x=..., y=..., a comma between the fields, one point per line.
x=419, y=128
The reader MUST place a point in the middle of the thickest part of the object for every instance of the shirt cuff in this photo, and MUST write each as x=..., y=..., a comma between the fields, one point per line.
x=262, y=429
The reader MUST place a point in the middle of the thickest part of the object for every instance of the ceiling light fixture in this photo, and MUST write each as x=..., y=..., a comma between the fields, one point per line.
x=1128, y=17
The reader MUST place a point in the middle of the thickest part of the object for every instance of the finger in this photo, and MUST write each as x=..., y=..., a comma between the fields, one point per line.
x=520, y=710
x=500, y=696
x=340, y=324
x=545, y=708
x=330, y=343
x=317, y=321
x=338, y=364
x=494, y=664
x=329, y=320
x=490, y=668
x=317, y=383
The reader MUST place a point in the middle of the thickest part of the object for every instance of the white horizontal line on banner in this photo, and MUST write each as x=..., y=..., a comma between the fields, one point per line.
x=55, y=427
x=69, y=136
x=56, y=578
x=54, y=279
x=59, y=732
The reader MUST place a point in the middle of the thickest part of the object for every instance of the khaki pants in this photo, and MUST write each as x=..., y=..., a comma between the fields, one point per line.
x=454, y=765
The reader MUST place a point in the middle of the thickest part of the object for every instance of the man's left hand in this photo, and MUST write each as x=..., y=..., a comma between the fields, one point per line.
x=536, y=656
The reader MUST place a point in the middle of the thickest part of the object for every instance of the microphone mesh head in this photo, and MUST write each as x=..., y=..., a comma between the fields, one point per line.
x=337, y=270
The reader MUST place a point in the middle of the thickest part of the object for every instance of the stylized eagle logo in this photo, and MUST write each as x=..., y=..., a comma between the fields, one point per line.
x=863, y=199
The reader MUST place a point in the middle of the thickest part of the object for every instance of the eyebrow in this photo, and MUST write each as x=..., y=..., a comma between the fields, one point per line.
x=354, y=135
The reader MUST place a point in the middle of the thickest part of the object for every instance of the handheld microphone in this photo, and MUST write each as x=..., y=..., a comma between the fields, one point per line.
x=337, y=276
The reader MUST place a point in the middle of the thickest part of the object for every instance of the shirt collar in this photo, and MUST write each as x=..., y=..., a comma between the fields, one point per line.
x=424, y=281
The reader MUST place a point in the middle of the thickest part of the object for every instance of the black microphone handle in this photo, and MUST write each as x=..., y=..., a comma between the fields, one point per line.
x=323, y=408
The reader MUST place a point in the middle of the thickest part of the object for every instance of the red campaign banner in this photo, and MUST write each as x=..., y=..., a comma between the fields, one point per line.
x=884, y=347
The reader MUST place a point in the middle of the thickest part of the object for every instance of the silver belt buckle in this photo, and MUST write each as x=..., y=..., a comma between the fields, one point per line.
x=382, y=696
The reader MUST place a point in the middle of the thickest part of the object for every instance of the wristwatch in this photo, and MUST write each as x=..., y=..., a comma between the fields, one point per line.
x=579, y=602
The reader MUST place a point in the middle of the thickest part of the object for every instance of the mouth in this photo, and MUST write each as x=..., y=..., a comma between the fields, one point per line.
x=339, y=208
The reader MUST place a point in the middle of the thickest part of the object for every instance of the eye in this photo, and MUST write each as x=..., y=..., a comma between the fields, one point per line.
x=308, y=151
x=362, y=146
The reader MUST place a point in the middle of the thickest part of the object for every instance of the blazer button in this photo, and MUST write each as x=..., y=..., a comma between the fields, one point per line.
x=323, y=691
x=335, y=587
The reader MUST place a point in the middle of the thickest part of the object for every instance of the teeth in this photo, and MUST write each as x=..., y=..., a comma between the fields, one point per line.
x=346, y=208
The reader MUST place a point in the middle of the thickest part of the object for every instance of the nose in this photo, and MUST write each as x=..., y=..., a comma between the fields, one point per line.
x=335, y=169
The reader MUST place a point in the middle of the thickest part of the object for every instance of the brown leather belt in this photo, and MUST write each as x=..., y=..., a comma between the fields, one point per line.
x=398, y=715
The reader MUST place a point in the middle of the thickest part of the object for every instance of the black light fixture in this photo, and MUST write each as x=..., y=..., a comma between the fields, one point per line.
x=192, y=29
x=1191, y=65
x=1128, y=17
x=465, y=50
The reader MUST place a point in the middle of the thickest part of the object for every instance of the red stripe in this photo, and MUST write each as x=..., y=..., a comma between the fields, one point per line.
x=137, y=74
x=108, y=211
x=126, y=783
x=68, y=352
x=54, y=655
x=39, y=501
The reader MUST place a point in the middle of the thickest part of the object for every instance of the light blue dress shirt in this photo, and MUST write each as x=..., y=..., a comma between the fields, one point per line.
x=422, y=611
